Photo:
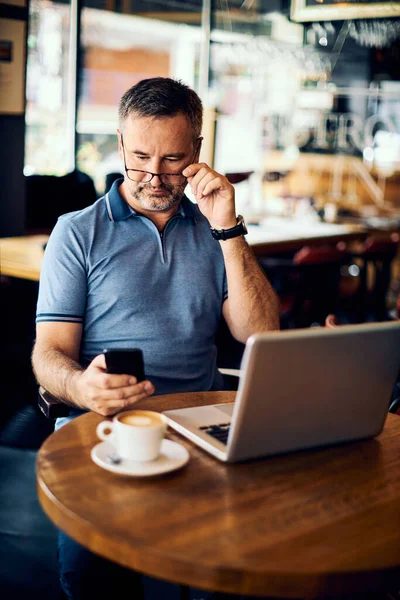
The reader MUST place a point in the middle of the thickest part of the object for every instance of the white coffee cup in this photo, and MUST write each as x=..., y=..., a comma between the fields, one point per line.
x=135, y=434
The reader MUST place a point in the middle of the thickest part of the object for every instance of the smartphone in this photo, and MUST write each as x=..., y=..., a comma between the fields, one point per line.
x=125, y=361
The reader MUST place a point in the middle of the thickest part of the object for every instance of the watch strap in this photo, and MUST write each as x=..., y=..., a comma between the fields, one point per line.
x=227, y=234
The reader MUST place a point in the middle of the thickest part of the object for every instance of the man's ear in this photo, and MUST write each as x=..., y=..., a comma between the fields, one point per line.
x=198, y=143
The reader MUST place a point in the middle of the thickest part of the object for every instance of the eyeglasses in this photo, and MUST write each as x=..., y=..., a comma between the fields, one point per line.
x=139, y=176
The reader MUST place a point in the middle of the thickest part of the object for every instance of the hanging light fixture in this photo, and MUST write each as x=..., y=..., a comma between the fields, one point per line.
x=375, y=33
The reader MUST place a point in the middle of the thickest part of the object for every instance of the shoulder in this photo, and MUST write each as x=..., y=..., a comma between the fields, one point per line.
x=75, y=230
x=82, y=223
x=82, y=219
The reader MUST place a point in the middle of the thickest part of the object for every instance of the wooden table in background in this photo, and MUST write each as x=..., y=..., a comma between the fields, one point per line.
x=289, y=235
x=309, y=524
x=22, y=256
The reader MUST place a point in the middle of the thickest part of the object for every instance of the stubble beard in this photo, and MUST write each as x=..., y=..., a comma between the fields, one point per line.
x=142, y=194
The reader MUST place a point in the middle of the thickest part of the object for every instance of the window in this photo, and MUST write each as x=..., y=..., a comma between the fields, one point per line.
x=118, y=51
x=47, y=122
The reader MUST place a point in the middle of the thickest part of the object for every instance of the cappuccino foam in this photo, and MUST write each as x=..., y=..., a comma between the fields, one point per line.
x=141, y=419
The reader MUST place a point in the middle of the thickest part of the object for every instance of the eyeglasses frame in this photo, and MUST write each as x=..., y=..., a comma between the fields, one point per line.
x=159, y=175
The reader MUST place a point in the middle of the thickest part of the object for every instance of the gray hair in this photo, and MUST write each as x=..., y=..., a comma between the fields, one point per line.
x=162, y=97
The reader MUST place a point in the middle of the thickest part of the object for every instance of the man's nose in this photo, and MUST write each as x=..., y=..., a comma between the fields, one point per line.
x=156, y=181
x=155, y=167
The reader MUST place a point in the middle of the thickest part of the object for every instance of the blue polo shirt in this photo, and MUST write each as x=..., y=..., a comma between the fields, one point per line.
x=109, y=268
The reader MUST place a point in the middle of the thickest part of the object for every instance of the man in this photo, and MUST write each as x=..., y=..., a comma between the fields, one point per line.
x=141, y=268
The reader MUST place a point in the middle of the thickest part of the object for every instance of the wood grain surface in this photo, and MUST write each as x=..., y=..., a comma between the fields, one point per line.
x=22, y=256
x=353, y=234
x=309, y=524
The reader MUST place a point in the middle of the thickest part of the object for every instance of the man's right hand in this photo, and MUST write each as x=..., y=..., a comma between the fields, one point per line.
x=105, y=393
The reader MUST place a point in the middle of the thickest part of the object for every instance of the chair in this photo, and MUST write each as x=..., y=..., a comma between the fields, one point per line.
x=229, y=355
x=49, y=196
x=376, y=257
x=238, y=177
x=51, y=407
x=21, y=424
x=229, y=350
x=307, y=284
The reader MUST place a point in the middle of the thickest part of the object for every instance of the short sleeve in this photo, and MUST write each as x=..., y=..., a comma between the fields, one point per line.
x=63, y=277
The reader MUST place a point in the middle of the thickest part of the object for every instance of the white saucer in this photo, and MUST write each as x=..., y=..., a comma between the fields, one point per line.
x=172, y=456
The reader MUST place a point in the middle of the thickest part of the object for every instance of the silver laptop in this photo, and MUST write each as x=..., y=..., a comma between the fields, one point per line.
x=301, y=389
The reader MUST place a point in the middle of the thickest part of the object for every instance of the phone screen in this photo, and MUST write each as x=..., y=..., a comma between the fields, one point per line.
x=125, y=362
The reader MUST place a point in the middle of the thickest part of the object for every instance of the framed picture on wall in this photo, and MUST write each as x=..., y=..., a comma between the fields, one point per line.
x=12, y=66
x=333, y=10
x=14, y=2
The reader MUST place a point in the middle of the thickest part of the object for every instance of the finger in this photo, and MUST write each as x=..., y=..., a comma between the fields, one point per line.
x=110, y=381
x=111, y=407
x=132, y=400
x=202, y=182
x=191, y=170
x=99, y=361
x=121, y=393
x=215, y=184
x=200, y=175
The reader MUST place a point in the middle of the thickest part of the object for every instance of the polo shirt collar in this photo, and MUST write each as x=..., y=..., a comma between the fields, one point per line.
x=118, y=209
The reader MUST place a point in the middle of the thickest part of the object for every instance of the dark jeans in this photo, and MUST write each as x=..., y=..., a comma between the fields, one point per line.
x=86, y=576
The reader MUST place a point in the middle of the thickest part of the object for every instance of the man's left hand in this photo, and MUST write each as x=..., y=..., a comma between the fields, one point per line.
x=215, y=195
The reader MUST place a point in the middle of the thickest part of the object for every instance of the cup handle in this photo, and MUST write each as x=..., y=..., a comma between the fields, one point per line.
x=102, y=428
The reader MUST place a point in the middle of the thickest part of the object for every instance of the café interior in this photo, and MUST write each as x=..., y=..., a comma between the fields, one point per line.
x=302, y=115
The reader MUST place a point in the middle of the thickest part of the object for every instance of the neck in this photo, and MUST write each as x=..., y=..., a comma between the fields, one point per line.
x=160, y=219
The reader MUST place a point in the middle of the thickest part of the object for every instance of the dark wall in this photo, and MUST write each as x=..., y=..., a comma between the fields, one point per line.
x=12, y=140
x=12, y=185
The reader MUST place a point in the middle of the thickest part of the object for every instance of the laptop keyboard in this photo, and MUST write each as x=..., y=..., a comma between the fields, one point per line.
x=219, y=432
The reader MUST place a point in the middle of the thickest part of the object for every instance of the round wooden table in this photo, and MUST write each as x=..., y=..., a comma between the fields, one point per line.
x=309, y=524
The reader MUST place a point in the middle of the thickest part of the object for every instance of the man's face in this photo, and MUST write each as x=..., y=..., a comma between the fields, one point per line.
x=156, y=145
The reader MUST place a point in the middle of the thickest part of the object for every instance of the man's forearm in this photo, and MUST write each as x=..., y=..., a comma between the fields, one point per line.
x=253, y=303
x=57, y=373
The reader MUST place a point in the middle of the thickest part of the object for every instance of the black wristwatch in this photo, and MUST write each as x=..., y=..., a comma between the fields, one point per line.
x=227, y=234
